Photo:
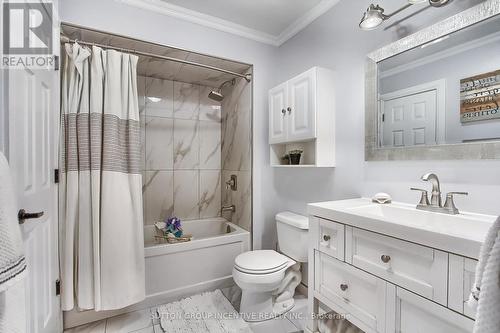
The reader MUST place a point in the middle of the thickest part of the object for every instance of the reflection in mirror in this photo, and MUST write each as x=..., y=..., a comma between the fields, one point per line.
x=445, y=91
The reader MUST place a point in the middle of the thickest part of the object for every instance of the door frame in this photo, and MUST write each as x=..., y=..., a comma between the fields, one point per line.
x=439, y=86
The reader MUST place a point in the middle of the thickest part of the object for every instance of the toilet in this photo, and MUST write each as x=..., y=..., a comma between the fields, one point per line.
x=267, y=278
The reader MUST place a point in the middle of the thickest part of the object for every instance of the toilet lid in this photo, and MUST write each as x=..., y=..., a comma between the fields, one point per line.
x=261, y=262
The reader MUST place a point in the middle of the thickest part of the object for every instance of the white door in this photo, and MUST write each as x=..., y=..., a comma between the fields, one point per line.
x=33, y=137
x=278, y=98
x=302, y=109
x=409, y=120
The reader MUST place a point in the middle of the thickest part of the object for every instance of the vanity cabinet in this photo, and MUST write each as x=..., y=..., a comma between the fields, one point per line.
x=301, y=116
x=386, y=284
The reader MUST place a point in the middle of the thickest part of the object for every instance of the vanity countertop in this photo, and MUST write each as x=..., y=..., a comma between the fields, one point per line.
x=462, y=234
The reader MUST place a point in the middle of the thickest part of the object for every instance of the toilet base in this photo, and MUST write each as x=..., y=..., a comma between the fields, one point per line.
x=256, y=307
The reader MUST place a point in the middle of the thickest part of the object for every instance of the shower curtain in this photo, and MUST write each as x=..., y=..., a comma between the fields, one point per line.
x=100, y=191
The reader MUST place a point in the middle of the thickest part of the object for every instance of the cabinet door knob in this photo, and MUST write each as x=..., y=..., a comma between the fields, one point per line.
x=283, y=111
x=344, y=287
x=385, y=258
x=326, y=238
x=289, y=109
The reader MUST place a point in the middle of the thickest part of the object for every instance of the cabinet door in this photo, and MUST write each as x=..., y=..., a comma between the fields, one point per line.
x=461, y=279
x=410, y=313
x=278, y=98
x=302, y=106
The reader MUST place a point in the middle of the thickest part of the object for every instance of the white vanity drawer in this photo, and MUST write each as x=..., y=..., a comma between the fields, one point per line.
x=410, y=313
x=420, y=269
x=331, y=238
x=461, y=280
x=358, y=293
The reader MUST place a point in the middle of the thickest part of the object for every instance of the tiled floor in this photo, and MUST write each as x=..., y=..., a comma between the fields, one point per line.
x=144, y=322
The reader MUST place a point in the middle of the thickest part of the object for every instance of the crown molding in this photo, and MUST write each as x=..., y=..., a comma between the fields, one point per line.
x=213, y=22
x=303, y=21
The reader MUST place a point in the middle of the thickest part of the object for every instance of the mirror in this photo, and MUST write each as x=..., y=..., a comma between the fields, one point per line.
x=438, y=87
x=444, y=91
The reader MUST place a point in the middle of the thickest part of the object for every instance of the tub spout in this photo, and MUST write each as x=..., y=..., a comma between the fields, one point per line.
x=231, y=208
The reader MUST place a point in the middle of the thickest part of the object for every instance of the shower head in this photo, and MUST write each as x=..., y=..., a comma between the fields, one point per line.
x=216, y=95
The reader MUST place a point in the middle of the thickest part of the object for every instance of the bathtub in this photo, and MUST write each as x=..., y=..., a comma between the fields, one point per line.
x=204, y=263
x=174, y=271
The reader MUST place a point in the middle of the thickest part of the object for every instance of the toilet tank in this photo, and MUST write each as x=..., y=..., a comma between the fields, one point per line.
x=292, y=235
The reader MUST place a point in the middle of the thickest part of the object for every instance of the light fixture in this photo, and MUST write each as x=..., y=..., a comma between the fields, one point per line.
x=374, y=15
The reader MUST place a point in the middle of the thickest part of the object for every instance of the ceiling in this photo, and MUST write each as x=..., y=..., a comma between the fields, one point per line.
x=164, y=69
x=268, y=21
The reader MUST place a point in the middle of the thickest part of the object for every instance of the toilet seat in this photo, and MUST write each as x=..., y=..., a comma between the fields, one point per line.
x=262, y=262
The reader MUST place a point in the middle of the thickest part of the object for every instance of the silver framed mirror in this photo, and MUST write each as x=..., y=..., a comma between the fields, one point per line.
x=436, y=94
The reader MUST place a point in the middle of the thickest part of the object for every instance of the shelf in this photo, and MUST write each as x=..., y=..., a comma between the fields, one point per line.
x=299, y=166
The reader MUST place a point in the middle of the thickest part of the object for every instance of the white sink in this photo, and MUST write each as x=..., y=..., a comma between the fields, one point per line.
x=462, y=233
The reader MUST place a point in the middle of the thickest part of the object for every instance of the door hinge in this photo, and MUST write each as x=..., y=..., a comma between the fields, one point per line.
x=56, y=63
x=383, y=117
x=56, y=176
x=58, y=287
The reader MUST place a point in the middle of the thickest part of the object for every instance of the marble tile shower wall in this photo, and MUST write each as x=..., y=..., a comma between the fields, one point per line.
x=237, y=151
x=181, y=145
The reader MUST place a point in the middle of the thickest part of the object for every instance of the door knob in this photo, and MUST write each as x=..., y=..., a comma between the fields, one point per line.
x=283, y=111
x=344, y=287
x=22, y=215
x=326, y=238
x=289, y=109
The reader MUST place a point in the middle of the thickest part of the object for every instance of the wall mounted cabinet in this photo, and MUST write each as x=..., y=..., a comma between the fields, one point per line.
x=302, y=116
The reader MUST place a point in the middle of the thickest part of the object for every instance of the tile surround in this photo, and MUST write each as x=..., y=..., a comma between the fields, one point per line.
x=191, y=146
x=186, y=144
x=181, y=145
x=236, y=151
x=186, y=194
x=186, y=100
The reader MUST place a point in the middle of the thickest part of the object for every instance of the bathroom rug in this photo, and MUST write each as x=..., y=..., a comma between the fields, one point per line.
x=208, y=312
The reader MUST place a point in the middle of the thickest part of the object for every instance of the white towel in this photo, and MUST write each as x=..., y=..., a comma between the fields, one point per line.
x=485, y=293
x=12, y=261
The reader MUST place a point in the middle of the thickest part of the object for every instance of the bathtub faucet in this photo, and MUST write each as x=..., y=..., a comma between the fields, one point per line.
x=231, y=208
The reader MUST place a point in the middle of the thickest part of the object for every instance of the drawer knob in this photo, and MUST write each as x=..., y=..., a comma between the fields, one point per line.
x=326, y=238
x=344, y=287
x=385, y=258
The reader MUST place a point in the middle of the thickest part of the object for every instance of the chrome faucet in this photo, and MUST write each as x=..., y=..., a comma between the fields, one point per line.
x=436, y=188
x=435, y=205
x=230, y=208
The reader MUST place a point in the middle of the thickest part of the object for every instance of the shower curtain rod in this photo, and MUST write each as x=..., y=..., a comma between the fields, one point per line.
x=247, y=76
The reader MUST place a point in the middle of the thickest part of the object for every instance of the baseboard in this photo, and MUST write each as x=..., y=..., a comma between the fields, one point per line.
x=75, y=318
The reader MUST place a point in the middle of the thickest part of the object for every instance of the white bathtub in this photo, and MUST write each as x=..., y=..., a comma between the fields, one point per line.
x=174, y=271
x=204, y=263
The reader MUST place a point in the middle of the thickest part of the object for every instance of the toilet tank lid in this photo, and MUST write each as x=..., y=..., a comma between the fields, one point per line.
x=296, y=220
